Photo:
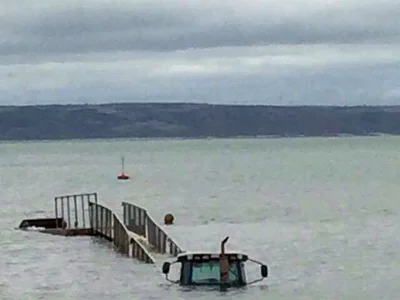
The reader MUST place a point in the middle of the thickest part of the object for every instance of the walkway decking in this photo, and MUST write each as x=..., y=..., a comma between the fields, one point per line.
x=158, y=257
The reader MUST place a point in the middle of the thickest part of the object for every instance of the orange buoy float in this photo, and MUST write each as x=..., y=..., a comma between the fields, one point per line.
x=123, y=176
x=169, y=219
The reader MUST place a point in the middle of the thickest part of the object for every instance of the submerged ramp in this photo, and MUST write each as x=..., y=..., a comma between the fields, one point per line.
x=80, y=214
x=106, y=224
x=137, y=235
x=148, y=232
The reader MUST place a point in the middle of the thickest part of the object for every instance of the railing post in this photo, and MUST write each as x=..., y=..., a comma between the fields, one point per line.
x=76, y=223
x=128, y=222
x=69, y=213
x=83, y=212
x=56, y=210
x=124, y=214
x=146, y=226
x=91, y=213
x=109, y=224
x=62, y=210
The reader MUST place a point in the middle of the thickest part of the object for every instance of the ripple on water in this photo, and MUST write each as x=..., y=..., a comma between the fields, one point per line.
x=322, y=213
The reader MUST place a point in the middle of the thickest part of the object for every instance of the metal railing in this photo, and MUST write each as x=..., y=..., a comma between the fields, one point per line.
x=121, y=236
x=139, y=221
x=160, y=240
x=74, y=209
x=127, y=244
x=107, y=225
x=101, y=220
x=134, y=218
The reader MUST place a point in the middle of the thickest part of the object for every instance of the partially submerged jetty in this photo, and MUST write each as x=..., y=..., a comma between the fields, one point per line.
x=135, y=235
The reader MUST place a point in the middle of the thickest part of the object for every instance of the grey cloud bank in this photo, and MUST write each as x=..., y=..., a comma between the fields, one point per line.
x=287, y=52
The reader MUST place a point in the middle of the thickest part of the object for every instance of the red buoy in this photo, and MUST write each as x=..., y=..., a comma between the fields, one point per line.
x=123, y=176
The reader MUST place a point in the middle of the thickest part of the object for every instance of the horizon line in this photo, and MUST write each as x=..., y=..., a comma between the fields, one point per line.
x=201, y=104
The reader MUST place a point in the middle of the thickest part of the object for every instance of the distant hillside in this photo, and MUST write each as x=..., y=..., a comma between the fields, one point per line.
x=191, y=120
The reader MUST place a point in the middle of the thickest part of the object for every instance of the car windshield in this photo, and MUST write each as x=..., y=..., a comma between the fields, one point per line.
x=209, y=272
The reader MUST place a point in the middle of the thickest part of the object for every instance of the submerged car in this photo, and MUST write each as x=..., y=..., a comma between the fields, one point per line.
x=213, y=269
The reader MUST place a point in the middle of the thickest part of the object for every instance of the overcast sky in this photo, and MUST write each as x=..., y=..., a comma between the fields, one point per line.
x=337, y=52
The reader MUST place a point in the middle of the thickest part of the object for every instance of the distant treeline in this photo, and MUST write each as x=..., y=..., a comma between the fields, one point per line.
x=192, y=121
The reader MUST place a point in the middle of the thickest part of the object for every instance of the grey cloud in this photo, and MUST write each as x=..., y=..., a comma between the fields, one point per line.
x=152, y=50
x=154, y=25
x=333, y=86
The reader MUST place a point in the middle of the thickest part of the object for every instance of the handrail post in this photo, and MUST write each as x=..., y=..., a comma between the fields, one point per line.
x=56, y=210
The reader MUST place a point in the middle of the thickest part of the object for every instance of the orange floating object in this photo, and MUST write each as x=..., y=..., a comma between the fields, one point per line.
x=123, y=176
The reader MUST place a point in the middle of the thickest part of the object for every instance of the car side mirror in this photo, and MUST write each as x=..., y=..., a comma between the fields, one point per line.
x=264, y=271
x=165, y=267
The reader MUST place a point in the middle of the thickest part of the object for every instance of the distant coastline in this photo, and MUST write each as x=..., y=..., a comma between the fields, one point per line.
x=191, y=120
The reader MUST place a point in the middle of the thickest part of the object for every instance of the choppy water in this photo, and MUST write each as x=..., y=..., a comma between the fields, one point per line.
x=322, y=213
